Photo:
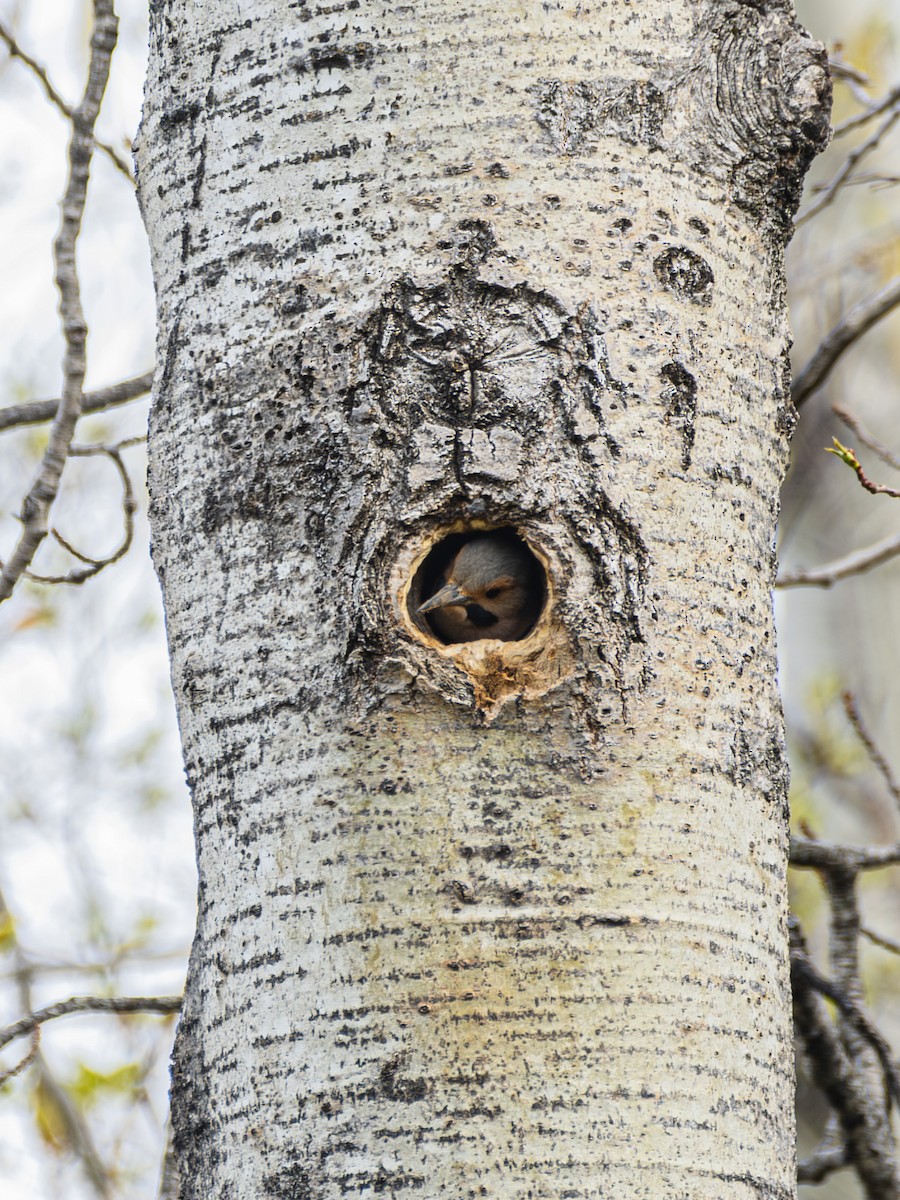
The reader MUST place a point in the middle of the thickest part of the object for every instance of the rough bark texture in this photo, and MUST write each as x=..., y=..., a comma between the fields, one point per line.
x=504, y=919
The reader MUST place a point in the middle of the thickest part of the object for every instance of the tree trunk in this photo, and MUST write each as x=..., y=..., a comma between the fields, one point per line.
x=499, y=918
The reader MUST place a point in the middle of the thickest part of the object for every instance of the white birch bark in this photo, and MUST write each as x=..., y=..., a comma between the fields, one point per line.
x=507, y=919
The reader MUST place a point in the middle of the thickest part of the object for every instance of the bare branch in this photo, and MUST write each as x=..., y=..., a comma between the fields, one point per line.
x=820, y=1165
x=858, y=1019
x=887, y=456
x=93, y=566
x=37, y=504
x=851, y=708
x=876, y=1073
x=37, y=412
x=841, y=568
x=40, y=73
x=849, y=329
x=808, y=852
x=164, y=1005
x=859, y=152
x=77, y=1133
x=835, y=1071
x=24, y=1063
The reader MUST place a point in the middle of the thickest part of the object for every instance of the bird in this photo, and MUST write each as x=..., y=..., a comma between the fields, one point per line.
x=491, y=589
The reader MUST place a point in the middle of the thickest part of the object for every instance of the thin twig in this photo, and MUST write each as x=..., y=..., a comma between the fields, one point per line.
x=842, y=568
x=855, y=80
x=40, y=73
x=851, y=708
x=849, y=329
x=877, y=180
x=93, y=566
x=164, y=1005
x=841, y=69
x=855, y=155
x=887, y=456
x=873, y=179
x=874, y=110
x=877, y=939
x=36, y=506
x=41, y=968
x=37, y=412
x=90, y=449
x=848, y=455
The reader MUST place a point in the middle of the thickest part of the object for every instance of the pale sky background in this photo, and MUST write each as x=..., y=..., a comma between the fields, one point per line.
x=95, y=828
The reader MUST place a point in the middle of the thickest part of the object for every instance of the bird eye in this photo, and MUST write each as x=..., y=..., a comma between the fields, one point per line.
x=493, y=593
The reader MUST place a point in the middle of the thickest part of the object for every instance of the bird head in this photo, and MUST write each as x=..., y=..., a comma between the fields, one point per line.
x=491, y=590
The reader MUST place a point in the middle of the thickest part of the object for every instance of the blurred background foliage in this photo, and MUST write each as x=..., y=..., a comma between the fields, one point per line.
x=96, y=858
x=845, y=638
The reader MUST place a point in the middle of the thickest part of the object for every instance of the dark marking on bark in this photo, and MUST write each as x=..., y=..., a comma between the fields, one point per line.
x=199, y=174
x=307, y=14
x=264, y=447
x=574, y=115
x=685, y=273
x=212, y=273
x=310, y=240
x=194, y=1129
x=335, y=58
x=595, y=920
x=734, y=472
x=177, y=115
x=394, y=1086
x=763, y=1188
x=680, y=395
x=390, y=1182
x=163, y=382
x=761, y=764
x=253, y=964
x=293, y=1181
x=461, y=892
x=786, y=416
x=496, y=852
x=344, y=150
x=741, y=767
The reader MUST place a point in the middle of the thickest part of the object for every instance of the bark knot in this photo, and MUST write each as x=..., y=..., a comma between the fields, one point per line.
x=758, y=99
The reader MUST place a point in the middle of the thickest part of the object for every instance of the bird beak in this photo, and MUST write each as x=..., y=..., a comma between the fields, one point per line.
x=448, y=594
